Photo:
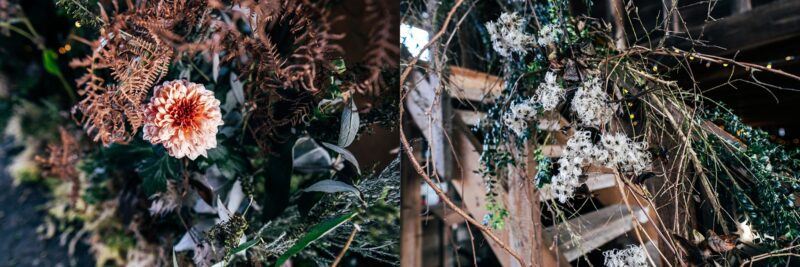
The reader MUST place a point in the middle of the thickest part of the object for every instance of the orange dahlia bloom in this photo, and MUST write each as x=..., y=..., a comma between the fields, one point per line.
x=183, y=116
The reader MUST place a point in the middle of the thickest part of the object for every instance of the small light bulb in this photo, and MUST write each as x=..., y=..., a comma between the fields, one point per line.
x=769, y=65
x=655, y=68
x=77, y=24
x=725, y=65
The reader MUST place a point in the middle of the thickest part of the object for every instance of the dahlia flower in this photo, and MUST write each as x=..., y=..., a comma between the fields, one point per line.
x=183, y=117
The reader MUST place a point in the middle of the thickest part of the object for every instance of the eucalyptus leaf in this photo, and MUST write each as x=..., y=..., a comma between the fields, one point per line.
x=350, y=122
x=174, y=259
x=349, y=157
x=313, y=234
x=215, y=67
x=308, y=157
x=331, y=186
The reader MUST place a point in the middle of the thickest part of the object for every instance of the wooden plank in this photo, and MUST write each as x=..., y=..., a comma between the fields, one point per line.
x=476, y=86
x=470, y=117
x=410, y=225
x=471, y=187
x=425, y=110
x=594, y=229
x=594, y=181
x=553, y=151
x=776, y=21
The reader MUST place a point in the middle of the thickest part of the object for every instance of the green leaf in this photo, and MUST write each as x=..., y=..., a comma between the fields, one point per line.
x=244, y=246
x=155, y=171
x=315, y=233
x=50, y=64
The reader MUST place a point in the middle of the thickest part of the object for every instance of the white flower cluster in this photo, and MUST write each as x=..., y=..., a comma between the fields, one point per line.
x=519, y=115
x=624, y=153
x=508, y=35
x=591, y=104
x=550, y=93
x=615, y=150
x=633, y=256
x=549, y=34
x=579, y=150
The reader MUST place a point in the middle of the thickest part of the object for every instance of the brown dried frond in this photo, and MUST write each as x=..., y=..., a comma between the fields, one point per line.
x=136, y=48
x=382, y=49
x=62, y=160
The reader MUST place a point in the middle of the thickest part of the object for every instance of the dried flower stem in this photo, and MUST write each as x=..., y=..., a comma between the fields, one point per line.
x=346, y=247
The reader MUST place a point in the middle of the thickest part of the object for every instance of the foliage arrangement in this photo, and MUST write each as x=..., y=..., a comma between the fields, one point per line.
x=618, y=108
x=215, y=133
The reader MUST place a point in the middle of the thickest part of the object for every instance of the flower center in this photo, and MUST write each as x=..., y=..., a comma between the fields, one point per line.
x=184, y=113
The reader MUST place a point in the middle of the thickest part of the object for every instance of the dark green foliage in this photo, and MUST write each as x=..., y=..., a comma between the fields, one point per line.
x=767, y=192
x=155, y=171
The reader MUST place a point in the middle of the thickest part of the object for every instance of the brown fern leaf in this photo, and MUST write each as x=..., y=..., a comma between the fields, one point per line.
x=383, y=50
x=62, y=161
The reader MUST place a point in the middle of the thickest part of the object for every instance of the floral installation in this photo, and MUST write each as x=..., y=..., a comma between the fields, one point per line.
x=211, y=133
x=622, y=115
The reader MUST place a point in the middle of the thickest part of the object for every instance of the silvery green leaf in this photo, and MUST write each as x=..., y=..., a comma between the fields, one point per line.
x=349, y=126
x=185, y=244
x=349, y=157
x=235, y=197
x=215, y=67
x=309, y=157
x=331, y=186
x=237, y=87
x=329, y=105
x=222, y=211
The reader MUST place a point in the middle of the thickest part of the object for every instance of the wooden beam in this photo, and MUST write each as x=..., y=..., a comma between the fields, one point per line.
x=594, y=229
x=741, y=6
x=474, y=86
x=594, y=181
x=410, y=225
x=425, y=109
x=776, y=21
x=471, y=187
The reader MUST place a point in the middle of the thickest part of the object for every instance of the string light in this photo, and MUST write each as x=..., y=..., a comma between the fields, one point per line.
x=789, y=58
x=725, y=65
x=655, y=68
x=769, y=65
x=77, y=24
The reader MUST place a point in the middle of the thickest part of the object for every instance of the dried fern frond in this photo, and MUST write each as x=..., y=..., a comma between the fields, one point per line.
x=62, y=161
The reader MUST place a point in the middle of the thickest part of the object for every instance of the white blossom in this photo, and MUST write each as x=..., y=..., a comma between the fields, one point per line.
x=550, y=93
x=518, y=116
x=591, y=104
x=614, y=151
x=549, y=34
x=633, y=256
x=624, y=153
x=508, y=35
x=578, y=151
